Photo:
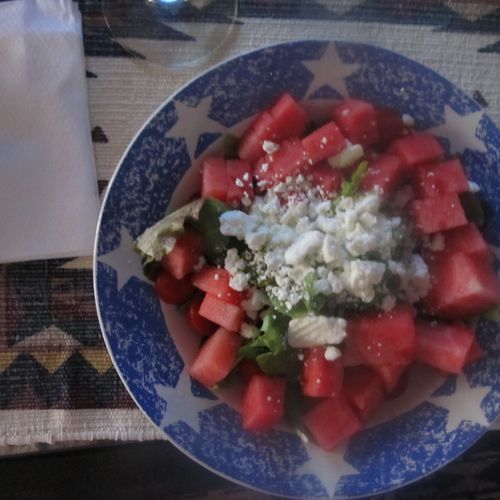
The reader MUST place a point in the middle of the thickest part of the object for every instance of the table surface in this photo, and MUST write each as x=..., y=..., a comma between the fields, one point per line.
x=57, y=383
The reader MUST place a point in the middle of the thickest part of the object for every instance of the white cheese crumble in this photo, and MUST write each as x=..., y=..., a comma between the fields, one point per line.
x=408, y=120
x=347, y=157
x=248, y=331
x=270, y=147
x=254, y=304
x=332, y=353
x=296, y=237
x=315, y=331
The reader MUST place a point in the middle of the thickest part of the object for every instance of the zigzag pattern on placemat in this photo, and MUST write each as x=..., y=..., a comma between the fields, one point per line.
x=41, y=380
x=445, y=15
x=51, y=350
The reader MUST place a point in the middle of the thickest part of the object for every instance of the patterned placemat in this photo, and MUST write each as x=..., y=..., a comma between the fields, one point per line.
x=57, y=382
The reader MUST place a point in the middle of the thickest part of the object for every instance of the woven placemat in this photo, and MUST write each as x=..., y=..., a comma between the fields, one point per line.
x=57, y=382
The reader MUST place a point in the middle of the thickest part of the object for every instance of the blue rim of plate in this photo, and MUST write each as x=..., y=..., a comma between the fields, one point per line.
x=132, y=320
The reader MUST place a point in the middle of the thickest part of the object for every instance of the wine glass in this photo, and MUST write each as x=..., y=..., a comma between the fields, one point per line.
x=173, y=33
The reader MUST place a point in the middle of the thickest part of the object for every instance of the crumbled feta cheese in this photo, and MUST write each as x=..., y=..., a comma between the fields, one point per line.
x=248, y=331
x=239, y=281
x=292, y=232
x=236, y=223
x=270, y=147
x=257, y=239
x=314, y=331
x=336, y=282
x=361, y=276
x=408, y=120
x=322, y=286
x=254, y=303
x=347, y=157
x=233, y=262
x=201, y=262
x=333, y=253
x=332, y=353
x=309, y=242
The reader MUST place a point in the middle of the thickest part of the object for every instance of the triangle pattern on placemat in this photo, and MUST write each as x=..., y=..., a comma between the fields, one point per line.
x=27, y=399
x=6, y=359
x=98, y=357
x=49, y=338
x=52, y=360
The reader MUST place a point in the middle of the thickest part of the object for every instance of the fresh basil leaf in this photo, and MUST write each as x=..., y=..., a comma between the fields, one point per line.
x=215, y=243
x=271, y=338
x=274, y=327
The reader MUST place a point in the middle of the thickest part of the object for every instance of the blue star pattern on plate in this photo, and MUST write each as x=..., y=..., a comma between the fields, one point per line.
x=430, y=423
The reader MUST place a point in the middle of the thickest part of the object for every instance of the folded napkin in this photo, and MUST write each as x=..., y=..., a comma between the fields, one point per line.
x=48, y=187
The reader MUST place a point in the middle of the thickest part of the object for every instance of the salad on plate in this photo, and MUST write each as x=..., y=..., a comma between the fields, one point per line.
x=321, y=261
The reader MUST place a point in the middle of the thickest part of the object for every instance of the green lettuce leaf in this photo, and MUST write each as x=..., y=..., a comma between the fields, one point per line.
x=350, y=188
x=270, y=348
x=159, y=238
x=314, y=302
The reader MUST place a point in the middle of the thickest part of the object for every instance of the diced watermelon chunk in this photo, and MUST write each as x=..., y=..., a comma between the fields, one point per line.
x=432, y=215
x=284, y=120
x=326, y=177
x=332, y=421
x=172, y=290
x=351, y=355
x=290, y=117
x=467, y=239
x=416, y=149
x=199, y=324
x=289, y=160
x=442, y=346
x=214, y=182
x=183, y=258
x=385, y=172
x=321, y=378
x=216, y=357
x=461, y=286
x=263, y=403
x=240, y=182
x=391, y=376
x=475, y=353
x=363, y=388
x=385, y=341
x=397, y=388
x=221, y=313
x=263, y=128
x=357, y=121
x=430, y=181
x=215, y=281
x=390, y=125
x=324, y=142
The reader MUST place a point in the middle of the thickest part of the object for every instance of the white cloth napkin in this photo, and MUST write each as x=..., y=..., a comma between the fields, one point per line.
x=48, y=187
